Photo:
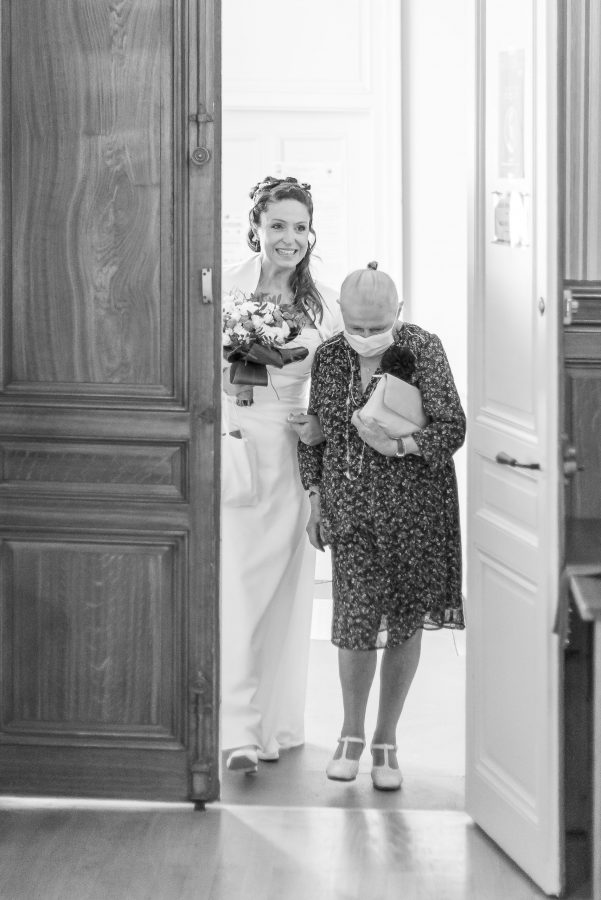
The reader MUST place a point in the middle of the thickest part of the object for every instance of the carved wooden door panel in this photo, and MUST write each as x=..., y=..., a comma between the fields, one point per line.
x=109, y=516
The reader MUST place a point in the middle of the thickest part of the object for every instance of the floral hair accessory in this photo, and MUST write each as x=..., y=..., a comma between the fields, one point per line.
x=398, y=361
x=269, y=183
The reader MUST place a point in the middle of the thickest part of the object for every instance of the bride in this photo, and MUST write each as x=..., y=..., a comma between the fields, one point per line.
x=267, y=562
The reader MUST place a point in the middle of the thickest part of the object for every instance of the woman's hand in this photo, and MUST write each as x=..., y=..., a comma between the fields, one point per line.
x=314, y=523
x=373, y=434
x=307, y=427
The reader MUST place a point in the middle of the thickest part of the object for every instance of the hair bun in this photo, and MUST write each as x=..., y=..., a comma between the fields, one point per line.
x=372, y=265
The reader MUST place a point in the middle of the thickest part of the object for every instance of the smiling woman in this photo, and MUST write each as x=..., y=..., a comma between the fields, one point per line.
x=267, y=563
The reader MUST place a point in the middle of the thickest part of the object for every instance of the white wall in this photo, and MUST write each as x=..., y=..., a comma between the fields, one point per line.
x=309, y=93
x=435, y=96
x=315, y=94
x=435, y=47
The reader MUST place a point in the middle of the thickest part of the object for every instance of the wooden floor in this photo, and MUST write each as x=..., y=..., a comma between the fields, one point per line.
x=250, y=853
x=287, y=833
x=431, y=739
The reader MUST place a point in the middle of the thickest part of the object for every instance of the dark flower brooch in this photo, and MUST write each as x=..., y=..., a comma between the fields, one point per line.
x=398, y=361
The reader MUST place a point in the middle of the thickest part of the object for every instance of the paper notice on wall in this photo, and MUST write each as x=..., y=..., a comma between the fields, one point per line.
x=511, y=210
x=233, y=238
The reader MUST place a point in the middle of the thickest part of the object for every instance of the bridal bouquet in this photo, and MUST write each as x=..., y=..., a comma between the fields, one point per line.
x=255, y=332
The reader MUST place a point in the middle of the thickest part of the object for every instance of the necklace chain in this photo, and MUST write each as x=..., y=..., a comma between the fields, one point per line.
x=352, y=400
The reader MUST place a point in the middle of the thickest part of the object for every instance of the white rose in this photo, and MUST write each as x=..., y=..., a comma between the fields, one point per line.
x=270, y=332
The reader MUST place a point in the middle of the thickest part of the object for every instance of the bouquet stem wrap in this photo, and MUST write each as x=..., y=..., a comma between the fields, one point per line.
x=249, y=364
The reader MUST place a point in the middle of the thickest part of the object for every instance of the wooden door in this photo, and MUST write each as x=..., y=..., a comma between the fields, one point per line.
x=513, y=654
x=109, y=399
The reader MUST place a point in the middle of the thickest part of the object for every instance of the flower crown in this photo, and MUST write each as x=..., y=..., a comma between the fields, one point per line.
x=269, y=183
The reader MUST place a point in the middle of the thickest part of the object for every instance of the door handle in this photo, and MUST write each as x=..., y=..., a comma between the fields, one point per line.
x=504, y=459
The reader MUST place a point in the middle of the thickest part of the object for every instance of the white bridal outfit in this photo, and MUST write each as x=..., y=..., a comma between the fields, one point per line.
x=267, y=562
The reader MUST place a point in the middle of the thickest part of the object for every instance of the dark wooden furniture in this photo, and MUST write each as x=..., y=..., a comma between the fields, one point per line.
x=583, y=575
x=582, y=662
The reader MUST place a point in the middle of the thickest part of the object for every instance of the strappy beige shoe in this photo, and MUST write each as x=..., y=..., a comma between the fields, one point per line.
x=342, y=768
x=385, y=777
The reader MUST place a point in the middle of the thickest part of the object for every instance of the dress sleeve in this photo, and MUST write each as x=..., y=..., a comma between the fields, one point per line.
x=310, y=459
x=445, y=432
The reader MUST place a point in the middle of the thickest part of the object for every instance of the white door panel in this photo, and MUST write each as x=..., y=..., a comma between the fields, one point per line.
x=513, y=558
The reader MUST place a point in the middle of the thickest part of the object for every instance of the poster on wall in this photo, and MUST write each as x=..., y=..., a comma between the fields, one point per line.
x=511, y=211
x=511, y=113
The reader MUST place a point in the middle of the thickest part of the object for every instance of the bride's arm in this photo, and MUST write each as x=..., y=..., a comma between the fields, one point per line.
x=307, y=427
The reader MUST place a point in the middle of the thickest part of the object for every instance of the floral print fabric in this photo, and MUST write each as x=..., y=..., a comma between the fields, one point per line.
x=392, y=523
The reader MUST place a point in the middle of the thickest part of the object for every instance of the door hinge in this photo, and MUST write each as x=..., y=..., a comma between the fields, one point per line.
x=201, y=116
x=207, y=285
x=570, y=306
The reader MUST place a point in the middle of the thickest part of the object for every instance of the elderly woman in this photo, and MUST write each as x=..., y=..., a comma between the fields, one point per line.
x=389, y=510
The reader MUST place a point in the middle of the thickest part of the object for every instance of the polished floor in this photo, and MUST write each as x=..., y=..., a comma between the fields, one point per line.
x=250, y=853
x=286, y=833
x=430, y=737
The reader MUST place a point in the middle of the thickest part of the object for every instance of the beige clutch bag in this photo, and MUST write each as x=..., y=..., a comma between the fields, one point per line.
x=396, y=406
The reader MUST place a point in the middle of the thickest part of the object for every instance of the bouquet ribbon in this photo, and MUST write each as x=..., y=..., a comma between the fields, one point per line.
x=249, y=364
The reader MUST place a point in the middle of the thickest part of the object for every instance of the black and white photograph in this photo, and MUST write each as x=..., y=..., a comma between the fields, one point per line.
x=300, y=449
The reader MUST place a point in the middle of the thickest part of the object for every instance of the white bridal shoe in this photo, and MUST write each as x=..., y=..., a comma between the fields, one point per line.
x=342, y=768
x=244, y=759
x=272, y=756
x=385, y=777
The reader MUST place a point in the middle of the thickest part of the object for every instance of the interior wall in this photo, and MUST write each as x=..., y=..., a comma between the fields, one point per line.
x=310, y=93
x=329, y=111
x=436, y=51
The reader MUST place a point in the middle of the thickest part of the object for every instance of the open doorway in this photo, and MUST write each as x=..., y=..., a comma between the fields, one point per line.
x=342, y=115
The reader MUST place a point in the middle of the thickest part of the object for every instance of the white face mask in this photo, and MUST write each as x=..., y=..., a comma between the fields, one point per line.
x=373, y=345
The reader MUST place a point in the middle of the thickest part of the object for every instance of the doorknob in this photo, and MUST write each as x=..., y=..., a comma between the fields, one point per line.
x=504, y=459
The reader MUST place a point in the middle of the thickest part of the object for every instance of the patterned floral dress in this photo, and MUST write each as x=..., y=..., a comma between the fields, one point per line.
x=392, y=523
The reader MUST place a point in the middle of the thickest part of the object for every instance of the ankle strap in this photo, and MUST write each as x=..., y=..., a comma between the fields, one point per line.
x=352, y=740
x=384, y=747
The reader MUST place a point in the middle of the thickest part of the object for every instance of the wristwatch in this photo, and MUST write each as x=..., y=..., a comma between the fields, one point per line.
x=401, y=449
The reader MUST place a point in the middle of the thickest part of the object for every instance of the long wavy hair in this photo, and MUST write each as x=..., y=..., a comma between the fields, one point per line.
x=304, y=290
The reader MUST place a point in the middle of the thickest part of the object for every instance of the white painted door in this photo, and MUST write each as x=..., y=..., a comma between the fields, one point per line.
x=513, y=545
